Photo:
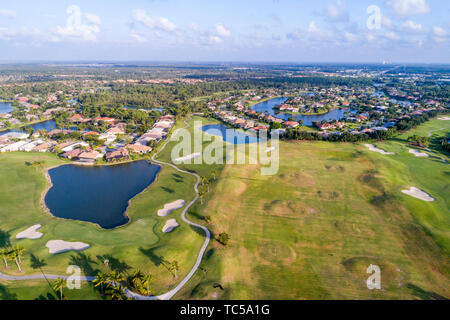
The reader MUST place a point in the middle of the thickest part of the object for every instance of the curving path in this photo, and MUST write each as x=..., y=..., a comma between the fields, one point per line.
x=129, y=293
x=171, y=293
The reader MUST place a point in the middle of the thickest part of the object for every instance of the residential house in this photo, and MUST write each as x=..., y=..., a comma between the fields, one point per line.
x=117, y=155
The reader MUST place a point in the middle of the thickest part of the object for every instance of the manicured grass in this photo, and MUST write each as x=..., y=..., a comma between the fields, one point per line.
x=139, y=244
x=310, y=231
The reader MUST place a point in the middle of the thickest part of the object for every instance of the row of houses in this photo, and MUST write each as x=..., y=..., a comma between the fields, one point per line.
x=81, y=151
x=159, y=131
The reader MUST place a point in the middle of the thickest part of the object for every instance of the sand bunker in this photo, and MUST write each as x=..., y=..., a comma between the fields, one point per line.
x=444, y=118
x=270, y=149
x=188, y=157
x=30, y=233
x=59, y=246
x=375, y=149
x=170, y=225
x=168, y=207
x=419, y=194
x=418, y=153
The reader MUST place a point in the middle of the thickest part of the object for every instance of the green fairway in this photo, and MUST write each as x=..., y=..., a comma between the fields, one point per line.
x=310, y=231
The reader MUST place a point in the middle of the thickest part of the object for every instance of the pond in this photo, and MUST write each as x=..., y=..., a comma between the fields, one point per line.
x=6, y=107
x=98, y=194
x=228, y=134
x=47, y=125
x=267, y=107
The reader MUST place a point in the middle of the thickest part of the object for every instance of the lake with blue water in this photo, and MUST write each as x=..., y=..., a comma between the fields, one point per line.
x=6, y=107
x=269, y=105
x=228, y=134
x=98, y=194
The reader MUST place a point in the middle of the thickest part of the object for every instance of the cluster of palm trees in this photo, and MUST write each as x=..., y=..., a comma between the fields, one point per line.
x=112, y=283
x=12, y=254
x=205, y=183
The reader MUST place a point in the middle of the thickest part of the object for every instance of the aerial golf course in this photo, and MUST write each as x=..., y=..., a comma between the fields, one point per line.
x=308, y=232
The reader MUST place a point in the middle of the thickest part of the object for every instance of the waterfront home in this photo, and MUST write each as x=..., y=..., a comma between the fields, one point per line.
x=117, y=155
x=44, y=147
x=138, y=148
x=72, y=154
x=291, y=124
x=89, y=156
x=5, y=115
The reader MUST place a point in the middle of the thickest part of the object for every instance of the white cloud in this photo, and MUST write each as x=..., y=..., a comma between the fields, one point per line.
x=137, y=38
x=214, y=39
x=93, y=19
x=159, y=23
x=351, y=37
x=75, y=30
x=194, y=26
x=81, y=32
x=412, y=26
x=222, y=31
x=440, y=32
x=406, y=8
x=337, y=11
x=392, y=36
x=7, y=13
x=7, y=34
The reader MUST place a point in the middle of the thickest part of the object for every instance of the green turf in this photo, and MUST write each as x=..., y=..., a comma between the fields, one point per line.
x=333, y=209
x=308, y=232
x=139, y=244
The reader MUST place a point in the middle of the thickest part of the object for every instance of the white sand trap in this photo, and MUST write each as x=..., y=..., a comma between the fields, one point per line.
x=418, y=153
x=168, y=207
x=270, y=149
x=170, y=225
x=419, y=194
x=59, y=246
x=375, y=149
x=444, y=118
x=188, y=157
x=30, y=233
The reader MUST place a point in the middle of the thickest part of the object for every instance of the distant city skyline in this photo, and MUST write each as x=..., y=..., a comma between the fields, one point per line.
x=277, y=31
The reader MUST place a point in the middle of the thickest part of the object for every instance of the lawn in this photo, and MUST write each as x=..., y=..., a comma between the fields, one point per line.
x=307, y=232
x=140, y=244
x=311, y=230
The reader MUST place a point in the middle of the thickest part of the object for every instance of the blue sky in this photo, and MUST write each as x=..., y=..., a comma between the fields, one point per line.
x=231, y=30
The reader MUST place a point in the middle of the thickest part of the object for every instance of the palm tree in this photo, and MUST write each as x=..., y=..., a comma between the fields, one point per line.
x=58, y=285
x=136, y=278
x=146, y=279
x=14, y=256
x=100, y=280
x=201, y=193
x=19, y=251
x=206, y=183
x=5, y=255
x=116, y=292
x=173, y=268
x=114, y=278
